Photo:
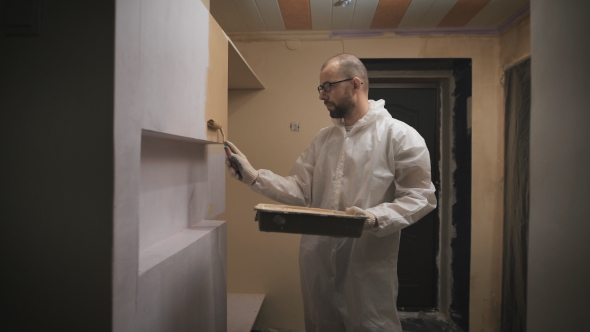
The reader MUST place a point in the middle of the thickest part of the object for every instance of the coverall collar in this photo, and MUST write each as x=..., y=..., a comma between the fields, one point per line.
x=376, y=111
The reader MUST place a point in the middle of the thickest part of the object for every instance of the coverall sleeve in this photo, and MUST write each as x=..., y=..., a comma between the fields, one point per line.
x=294, y=189
x=414, y=191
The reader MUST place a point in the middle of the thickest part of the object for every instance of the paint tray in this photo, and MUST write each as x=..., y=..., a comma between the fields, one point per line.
x=303, y=220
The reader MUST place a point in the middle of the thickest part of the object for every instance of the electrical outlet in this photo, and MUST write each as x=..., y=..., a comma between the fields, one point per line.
x=294, y=126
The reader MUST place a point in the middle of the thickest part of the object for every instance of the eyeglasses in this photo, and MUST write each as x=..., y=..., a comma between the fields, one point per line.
x=328, y=85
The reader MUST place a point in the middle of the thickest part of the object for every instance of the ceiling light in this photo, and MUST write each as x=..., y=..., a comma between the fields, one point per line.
x=345, y=3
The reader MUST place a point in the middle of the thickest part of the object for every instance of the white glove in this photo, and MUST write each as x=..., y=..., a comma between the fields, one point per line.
x=237, y=160
x=370, y=220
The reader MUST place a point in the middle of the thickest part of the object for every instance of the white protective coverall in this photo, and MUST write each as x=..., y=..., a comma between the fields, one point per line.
x=382, y=165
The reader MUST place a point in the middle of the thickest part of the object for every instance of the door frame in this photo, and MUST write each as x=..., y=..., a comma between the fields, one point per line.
x=443, y=81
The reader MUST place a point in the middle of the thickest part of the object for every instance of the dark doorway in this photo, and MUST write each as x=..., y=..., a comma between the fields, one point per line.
x=407, y=86
x=418, y=106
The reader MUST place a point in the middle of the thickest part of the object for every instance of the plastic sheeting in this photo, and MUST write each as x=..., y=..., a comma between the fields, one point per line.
x=516, y=196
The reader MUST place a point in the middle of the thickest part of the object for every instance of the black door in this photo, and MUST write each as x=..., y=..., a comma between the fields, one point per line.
x=417, y=271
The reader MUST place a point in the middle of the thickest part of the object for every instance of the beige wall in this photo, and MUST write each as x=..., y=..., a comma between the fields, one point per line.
x=259, y=125
x=259, y=120
x=515, y=43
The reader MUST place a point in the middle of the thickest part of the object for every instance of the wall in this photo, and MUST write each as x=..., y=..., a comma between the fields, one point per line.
x=170, y=78
x=56, y=147
x=267, y=262
x=559, y=250
x=259, y=121
x=99, y=96
x=515, y=44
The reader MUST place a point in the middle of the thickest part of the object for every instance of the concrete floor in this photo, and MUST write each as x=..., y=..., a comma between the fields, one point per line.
x=414, y=322
x=428, y=323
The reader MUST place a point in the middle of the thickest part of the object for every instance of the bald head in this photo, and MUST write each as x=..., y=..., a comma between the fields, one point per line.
x=350, y=66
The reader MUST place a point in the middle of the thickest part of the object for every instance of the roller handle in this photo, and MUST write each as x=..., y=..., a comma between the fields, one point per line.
x=234, y=165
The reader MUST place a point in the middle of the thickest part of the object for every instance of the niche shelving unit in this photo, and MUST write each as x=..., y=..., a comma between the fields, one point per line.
x=173, y=68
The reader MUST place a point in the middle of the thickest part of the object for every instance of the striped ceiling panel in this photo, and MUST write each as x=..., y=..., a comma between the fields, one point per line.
x=389, y=13
x=335, y=15
x=462, y=12
x=296, y=14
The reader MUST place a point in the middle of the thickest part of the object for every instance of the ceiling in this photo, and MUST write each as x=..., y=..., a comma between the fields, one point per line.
x=461, y=16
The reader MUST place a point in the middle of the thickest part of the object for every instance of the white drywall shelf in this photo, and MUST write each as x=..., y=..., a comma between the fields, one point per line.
x=159, y=252
x=163, y=135
x=242, y=310
x=240, y=75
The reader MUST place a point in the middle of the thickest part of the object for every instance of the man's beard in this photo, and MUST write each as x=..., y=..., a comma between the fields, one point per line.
x=343, y=109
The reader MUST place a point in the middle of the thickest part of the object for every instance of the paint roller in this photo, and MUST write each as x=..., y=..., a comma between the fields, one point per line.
x=217, y=126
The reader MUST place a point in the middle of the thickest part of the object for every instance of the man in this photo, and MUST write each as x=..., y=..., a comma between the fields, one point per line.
x=367, y=164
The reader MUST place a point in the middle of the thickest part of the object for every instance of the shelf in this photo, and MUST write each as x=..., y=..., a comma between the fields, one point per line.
x=240, y=75
x=162, y=135
x=242, y=310
x=159, y=252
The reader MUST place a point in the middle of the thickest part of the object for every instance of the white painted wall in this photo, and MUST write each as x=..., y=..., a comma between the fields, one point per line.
x=173, y=190
x=74, y=102
x=169, y=262
x=559, y=249
x=182, y=286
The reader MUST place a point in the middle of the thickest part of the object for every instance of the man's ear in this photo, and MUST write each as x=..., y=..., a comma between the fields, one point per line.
x=356, y=83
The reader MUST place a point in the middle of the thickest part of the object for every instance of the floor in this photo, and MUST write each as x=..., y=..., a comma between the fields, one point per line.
x=421, y=322
x=428, y=323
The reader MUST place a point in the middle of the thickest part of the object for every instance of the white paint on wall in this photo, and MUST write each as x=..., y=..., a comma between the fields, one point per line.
x=177, y=282
x=184, y=292
x=74, y=101
x=174, y=57
x=173, y=187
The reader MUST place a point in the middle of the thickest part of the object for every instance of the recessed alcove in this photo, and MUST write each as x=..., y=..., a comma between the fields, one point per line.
x=180, y=186
x=173, y=187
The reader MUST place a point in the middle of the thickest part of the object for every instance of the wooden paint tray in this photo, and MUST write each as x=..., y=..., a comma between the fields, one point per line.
x=303, y=220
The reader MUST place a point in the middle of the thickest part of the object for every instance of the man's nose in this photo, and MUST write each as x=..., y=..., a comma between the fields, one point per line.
x=323, y=95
